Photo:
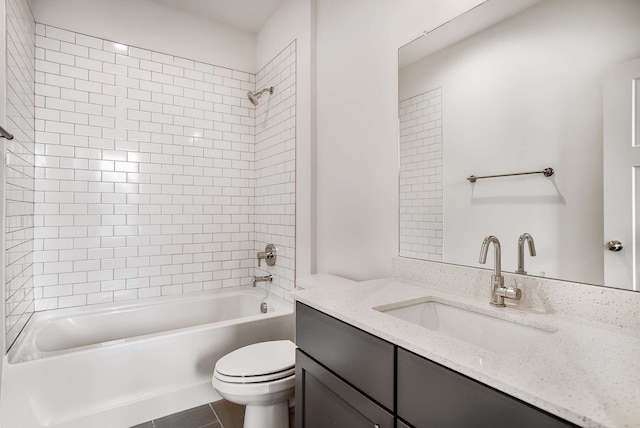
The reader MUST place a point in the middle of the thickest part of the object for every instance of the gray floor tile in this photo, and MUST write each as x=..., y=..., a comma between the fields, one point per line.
x=144, y=425
x=231, y=415
x=198, y=417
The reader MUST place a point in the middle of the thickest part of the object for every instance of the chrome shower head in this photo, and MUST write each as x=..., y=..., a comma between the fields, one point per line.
x=255, y=96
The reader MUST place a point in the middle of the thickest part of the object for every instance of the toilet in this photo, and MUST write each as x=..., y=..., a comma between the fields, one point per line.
x=260, y=376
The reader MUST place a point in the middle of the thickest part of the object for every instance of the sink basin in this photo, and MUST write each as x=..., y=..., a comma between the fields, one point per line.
x=493, y=334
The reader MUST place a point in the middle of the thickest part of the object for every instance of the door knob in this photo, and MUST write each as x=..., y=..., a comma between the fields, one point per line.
x=614, y=245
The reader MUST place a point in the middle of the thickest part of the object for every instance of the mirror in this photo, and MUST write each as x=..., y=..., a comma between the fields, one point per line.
x=515, y=86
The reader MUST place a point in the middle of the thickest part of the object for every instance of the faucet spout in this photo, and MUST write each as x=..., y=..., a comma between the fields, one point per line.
x=532, y=251
x=497, y=280
x=265, y=278
x=498, y=253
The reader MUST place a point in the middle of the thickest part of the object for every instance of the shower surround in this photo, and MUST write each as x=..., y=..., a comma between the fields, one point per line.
x=155, y=175
x=20, y=169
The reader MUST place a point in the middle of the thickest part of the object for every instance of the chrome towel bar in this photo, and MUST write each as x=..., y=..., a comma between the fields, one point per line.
x=548, y=172
x=5, y=134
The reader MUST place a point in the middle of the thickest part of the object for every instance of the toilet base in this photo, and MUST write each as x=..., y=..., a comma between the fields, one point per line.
x=270, y=416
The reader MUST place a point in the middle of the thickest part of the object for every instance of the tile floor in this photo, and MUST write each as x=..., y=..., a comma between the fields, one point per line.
x=221, y=414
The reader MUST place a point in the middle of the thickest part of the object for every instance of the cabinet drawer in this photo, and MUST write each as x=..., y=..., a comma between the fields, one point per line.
x=363, y=360
x=323, y=400
x=432, y=395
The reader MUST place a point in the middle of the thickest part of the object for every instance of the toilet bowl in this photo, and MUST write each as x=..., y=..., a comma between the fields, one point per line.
x=261, y=377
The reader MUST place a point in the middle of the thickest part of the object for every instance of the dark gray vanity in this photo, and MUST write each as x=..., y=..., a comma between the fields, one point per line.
x=348, y=378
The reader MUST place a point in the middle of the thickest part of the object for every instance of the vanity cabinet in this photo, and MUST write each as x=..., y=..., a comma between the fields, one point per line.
x=324, y=400
x=361, y=359
x=344, y=376
x=348, y=378
x=432, y=395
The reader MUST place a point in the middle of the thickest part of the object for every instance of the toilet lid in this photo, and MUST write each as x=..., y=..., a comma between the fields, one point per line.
x=259, y=359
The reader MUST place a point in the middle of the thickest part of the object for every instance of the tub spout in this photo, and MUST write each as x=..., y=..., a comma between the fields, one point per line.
x=266, y=278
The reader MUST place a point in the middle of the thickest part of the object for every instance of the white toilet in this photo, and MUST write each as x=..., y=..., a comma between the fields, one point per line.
x=262, y=377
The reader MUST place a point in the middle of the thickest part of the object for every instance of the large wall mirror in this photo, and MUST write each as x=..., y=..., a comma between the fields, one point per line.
x=516, y=86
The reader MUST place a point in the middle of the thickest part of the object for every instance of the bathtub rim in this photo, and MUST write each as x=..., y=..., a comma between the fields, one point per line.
x=24, y=350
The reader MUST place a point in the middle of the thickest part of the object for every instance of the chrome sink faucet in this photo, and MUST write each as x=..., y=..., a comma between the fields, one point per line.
x=532, y=251
x=498, y=290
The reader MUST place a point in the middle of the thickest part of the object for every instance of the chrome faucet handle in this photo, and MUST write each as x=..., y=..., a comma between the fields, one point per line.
x=511, y=292
x=269, y=255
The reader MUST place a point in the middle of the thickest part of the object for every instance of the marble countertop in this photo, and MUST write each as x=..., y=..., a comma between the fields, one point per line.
x=585, y=372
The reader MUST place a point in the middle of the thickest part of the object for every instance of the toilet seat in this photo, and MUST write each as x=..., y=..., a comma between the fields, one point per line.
x=257, y=363
x=255, y=379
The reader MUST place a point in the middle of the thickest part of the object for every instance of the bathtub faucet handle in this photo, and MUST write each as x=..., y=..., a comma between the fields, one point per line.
x=269, y=255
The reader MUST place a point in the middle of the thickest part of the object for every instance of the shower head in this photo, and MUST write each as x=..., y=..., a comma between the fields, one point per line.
x=255, y=96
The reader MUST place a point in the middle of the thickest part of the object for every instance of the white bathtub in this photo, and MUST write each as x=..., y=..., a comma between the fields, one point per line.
x=119, y=366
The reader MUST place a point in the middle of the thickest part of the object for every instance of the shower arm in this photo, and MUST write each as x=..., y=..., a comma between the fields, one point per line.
x=270, y=90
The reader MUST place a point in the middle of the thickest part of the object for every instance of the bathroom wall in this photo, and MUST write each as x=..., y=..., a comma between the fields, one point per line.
x=296, y=20
x=3, y=121
x=154, y=26
x=146, y=185
x=357, y=57
x=275, y=168
x=19, y=168
x=420, y=147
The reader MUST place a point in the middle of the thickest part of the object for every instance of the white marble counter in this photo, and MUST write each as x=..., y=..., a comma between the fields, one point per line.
x=586, y=372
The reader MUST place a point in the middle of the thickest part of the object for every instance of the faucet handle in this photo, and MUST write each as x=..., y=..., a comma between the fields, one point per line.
x=269, y=254
x=511, y=292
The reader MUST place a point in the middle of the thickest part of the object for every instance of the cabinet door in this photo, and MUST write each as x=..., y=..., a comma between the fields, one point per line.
x=324, y=400
x=400, y=424
x=430, y=395
x=363, y=360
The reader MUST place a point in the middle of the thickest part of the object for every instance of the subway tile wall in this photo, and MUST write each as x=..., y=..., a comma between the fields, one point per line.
x=421, y=176
x=20, y=170
x=146, y=178
x=275, y=168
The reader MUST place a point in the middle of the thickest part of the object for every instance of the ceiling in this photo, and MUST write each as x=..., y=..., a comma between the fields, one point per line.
x=247, y=15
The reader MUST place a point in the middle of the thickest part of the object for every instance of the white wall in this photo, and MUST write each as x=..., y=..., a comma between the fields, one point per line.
x=357, y=142
x=143, y=23
x=521, y=96
x=295, y=20
x=3, y=121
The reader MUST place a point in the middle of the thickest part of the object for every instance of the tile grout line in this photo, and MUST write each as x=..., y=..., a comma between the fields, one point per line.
x=216, y=415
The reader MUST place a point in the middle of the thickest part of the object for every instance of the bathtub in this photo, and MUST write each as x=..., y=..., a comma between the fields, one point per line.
x=107, y=366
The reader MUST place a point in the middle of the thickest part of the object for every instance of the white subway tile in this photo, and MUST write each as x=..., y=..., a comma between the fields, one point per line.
x=88, y=41
x=60, y=34
x=150, y=205
x=117, y=70
x=89, y=64
x=74, y=49
x=97, y=298
x=100, y=55
x=128, y=61
x=59, y=57
x=100, y=77
x=117, y=48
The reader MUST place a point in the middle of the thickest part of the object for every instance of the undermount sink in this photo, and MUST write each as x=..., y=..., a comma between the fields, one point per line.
x=493, y=334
